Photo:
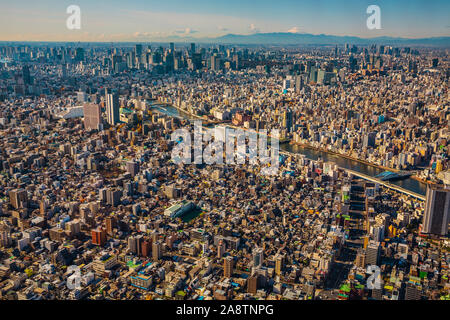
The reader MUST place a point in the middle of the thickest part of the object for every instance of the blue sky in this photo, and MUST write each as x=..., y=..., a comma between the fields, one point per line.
x=138, y=20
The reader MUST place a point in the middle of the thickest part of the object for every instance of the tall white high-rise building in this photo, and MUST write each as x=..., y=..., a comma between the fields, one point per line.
x=82, y=96
x=112, y=108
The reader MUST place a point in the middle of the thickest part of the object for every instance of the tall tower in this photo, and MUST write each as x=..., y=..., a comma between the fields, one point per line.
x=228, y=267
x=26, y=75
x=372, y=254
x=278, y=264
x=437, y=211
x=98, y=237
x=138, y=50
x=258, y=257
x=220, y=249
x=110, y=223
x=112, y=108
x=156, y=251
x=298, y=83
x=287, y=119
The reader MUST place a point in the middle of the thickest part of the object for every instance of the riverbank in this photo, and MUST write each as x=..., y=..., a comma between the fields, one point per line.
x=413, y=184
x=303, y=145
x=421, y=180
x=421, y=184
x=308, y=146
x=386, y=184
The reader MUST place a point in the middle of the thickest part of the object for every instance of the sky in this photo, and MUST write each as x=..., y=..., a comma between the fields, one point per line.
x=138, y=20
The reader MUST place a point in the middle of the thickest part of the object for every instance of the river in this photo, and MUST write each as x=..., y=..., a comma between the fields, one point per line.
x=408, y=183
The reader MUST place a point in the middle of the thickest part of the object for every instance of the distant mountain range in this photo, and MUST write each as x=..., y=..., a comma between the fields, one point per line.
x=286, y=38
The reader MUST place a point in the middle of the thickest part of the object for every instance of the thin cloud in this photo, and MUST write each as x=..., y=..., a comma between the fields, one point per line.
x=294, y=30
x=149, y=34
x=186, y=31
x=254, y=29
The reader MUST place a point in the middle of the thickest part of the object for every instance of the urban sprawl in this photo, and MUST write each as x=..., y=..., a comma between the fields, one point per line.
x=92, y=205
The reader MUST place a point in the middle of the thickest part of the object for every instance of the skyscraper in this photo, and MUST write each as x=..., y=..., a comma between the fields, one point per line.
x=132, y=244
x=299, y=83
x=113, y=197
x=373, y=254
x=215, y=63
x=18, y=198
x=133, y=167
x=252, y=284
x=26, y=75
x=138, y=50
x=287, y=119
x=156, y=251
x=258, y=257
x=139, y=240
x=5, y=239
x=220, y=249
x=145, y=248
x=236, y=64
x=112, y=108
x=369, y=140
x=110, y=223
x=92, y=116
x=98, y=236
x=228, y=267
x=197, y=61
x=278, y=264
x=437, y=211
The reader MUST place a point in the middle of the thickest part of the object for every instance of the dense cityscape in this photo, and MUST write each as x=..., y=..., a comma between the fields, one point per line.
x=94, y=207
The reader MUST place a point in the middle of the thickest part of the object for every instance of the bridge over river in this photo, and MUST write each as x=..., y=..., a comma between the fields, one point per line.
x=372, y=179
